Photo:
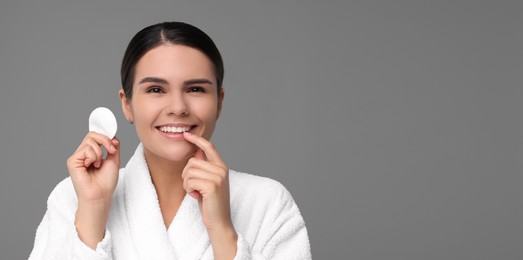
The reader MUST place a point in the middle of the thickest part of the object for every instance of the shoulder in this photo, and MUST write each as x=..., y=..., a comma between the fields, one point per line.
x=261, y=203
x=63, y=193
x=250, y=188
x=241, y=181
x=63, y=200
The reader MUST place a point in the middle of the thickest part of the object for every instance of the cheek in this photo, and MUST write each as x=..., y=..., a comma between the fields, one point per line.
x=144, y=109
x=145, y=114
x=207, y=111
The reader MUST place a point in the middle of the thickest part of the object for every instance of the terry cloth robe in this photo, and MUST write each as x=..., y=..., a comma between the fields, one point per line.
x=268, y=222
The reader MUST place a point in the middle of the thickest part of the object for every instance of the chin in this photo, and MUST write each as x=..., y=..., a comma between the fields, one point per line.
x=173, y=152
x=179, y=153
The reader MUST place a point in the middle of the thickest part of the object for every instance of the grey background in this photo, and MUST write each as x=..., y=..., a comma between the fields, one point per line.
x=396, y=125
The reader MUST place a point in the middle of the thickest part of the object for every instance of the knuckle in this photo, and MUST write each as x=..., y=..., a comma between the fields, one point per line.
x=221, y=173
x=88, y=149
x=107, y=141
x=88, y=139
x=99, y=152
x=91, y=141
x=185, y=175
x=208, y=146
x=192, y=160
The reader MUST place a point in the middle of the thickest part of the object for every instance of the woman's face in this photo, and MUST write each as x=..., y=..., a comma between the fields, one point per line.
x=174, y=90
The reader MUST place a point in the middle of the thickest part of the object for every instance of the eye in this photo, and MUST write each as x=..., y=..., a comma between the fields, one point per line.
x=196, y=89
x=157, y=90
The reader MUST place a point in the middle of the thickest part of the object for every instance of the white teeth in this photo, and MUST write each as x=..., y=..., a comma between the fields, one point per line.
x=172, y=129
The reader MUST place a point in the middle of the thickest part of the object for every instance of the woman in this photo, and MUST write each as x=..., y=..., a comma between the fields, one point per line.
x=176, y=197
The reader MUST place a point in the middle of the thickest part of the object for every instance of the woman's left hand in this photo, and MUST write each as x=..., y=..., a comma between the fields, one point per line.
x=206, y=178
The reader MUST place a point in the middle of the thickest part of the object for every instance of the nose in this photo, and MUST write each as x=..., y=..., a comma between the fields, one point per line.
x=177, y=105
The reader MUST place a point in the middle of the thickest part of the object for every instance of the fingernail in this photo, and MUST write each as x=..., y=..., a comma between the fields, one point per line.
x=115, y=141
x=112, y=148
x=187, y=133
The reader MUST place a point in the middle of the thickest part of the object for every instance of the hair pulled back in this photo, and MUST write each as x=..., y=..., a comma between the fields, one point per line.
x=167, y=33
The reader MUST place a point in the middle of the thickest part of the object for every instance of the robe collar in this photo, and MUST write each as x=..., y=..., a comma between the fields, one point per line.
x=187, y=236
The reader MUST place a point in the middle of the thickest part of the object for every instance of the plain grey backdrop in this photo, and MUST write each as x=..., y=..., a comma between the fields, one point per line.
x=396, y=125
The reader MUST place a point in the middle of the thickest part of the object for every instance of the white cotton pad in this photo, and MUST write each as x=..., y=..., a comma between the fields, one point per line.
x=102, y=121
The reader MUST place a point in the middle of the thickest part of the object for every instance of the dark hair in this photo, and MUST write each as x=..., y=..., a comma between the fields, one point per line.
x=167, y=33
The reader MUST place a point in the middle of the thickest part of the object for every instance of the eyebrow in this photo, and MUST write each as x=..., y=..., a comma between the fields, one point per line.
x=197, y=81
x=165, y=82
x=153, y=80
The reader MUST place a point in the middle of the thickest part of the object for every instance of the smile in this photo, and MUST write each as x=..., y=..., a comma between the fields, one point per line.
x=173, y=129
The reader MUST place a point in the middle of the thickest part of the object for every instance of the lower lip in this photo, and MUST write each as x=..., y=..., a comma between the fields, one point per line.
x=172, y=136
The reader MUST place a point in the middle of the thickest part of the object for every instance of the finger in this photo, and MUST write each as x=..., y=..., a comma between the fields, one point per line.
x=186, y=186
x=95, y=141
x=195, y=195
x=95, y=147
x=200, y=155
x=90, y=156
x=97, y=163
x=101, y=140
x=208, y=148
x=195, y=173
x=201, y=186
x=203, y=165
x=191, y=173
x=79, y=159
x=212, y=183
x=115, y=141
x=115, y=157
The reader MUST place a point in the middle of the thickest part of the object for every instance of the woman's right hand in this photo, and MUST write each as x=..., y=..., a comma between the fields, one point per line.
x=94, y=179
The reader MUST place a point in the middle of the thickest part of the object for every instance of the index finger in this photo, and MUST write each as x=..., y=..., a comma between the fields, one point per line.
x=102, y=140
x=207, y=147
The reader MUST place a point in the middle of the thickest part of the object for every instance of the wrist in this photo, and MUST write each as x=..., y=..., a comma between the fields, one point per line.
x=91, y=222
x=224, y=242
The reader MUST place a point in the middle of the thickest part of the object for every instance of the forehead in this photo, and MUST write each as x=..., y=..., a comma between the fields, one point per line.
x=174, y=63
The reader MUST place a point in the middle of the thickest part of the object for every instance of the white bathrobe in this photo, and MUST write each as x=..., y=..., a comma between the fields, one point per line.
x=266, y=218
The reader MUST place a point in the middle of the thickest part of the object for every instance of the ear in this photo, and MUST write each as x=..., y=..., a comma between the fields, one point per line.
x=126, y=106
x=220, y=102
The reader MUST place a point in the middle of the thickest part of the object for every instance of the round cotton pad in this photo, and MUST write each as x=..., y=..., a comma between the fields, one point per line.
x=102, y=121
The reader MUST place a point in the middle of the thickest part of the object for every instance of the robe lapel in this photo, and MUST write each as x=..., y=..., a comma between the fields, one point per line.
x=146, y=224
x=187, y=231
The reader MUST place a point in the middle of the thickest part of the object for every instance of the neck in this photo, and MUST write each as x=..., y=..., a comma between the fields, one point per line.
x=166, y=175
x=167, y=179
